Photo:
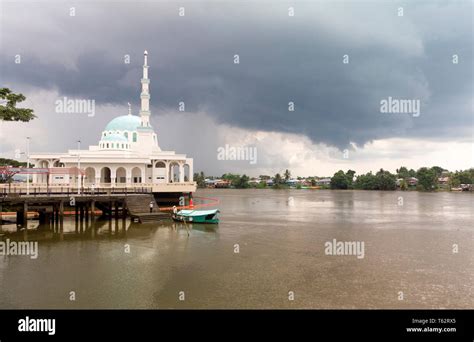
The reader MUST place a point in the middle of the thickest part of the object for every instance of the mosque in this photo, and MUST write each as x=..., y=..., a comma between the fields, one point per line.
x=128, y=155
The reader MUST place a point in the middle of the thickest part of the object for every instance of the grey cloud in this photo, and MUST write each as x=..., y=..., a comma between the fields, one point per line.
x=282, y=59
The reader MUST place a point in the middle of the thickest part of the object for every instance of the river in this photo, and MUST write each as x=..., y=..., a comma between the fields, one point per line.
x=268, y=251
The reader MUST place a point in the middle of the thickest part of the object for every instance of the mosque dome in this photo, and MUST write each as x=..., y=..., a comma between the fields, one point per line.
x=115, y=137
x=124, y=123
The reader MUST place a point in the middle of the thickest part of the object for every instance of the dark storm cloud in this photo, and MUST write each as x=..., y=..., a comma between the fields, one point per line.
x=282, y=59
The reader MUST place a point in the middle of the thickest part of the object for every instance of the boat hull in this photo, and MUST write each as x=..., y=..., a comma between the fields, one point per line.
x=195, y=219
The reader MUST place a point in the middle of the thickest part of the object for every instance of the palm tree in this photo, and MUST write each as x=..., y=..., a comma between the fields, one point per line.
x=287, y=175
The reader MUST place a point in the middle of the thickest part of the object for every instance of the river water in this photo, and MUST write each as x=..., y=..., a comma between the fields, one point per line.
x=268, y=252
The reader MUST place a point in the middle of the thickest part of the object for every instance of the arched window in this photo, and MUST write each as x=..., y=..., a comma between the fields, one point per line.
x=107, y=145
x=134, y=137
x=126, y=135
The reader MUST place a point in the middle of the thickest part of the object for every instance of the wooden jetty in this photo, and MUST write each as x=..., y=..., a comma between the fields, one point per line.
x=113, y=203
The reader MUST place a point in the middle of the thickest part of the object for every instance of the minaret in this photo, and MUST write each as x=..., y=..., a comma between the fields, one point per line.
x=145, y=95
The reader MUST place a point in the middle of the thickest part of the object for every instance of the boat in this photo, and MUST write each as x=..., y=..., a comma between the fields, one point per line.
x=197, y=216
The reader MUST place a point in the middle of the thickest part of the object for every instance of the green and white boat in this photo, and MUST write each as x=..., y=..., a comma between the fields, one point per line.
x=197, y=216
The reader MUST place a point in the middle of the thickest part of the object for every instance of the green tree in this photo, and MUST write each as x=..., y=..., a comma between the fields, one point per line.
x=403, y=185
x=9, y=112
x=350, y=177
x=427, y=179
x=241, y=182
x=385, y=180
x=437, y=170
x=339, y=180
x=199, y=178
x=403, y=172
x=6, y=176
x=366, y=182
x=287, y=175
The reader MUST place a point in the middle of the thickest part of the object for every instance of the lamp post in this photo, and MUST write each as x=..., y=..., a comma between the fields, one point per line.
x=79, y=167
x=28, y=165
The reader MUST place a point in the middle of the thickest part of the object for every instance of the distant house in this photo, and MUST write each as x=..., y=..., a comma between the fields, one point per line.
x=412, y=181
x=323, y=181
x=254, y=181
x=220, y=183
x=292, y=182
x=443, y=180
x=217, y=183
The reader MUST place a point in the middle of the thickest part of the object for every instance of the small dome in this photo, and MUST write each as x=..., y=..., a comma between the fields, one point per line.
x=124, y=123
x=115, y=137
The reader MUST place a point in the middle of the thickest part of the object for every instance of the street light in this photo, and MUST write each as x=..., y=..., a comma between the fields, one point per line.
x=79, y=167
x=28, y=165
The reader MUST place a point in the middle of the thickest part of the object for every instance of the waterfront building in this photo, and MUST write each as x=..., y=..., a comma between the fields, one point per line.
x=127, y=154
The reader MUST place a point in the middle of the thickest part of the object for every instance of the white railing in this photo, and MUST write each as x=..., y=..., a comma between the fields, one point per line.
x=18, y=189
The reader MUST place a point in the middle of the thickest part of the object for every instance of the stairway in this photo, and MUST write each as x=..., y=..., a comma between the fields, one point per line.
x=139, y=207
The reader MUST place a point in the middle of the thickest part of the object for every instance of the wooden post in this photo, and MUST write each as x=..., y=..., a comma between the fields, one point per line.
x=124, y=211
x=61, y=216
x=81, y=218
x=87, y=213
x=25, y=215
x=93, y=210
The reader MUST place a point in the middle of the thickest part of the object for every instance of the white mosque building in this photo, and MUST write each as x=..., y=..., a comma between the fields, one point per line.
x=127, y=155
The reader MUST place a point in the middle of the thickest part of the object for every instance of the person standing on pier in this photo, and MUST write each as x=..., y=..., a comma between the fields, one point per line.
x=151, y=206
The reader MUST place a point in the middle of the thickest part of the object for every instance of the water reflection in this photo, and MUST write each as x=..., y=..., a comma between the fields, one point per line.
x=96, y=229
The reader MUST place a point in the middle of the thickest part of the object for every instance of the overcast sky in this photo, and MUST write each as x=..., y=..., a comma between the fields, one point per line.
x=283, y=59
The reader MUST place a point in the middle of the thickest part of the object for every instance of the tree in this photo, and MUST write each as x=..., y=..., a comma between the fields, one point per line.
x=277, y=181
x=200, y=179
x=382, y=180
x=287, y=175
x=403, y=185
x=339, y=180
x=427, y=178
x=366, y=182
x=403, y=172
x=9, y=112
x=350, y=177
x=437, y=170
x=6, y=175
x=241, y=182
x=385, y=180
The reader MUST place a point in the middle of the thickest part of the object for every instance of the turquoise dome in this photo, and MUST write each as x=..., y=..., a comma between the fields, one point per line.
x=124, y=123
x=115, y=137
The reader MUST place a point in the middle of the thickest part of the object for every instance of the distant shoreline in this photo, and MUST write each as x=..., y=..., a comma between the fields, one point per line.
x=319, y=189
